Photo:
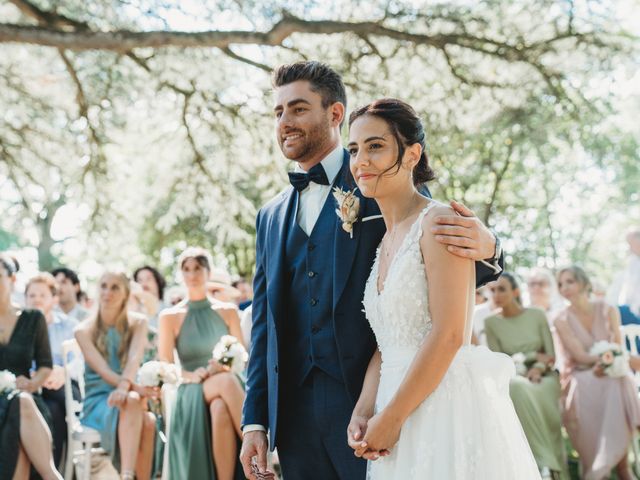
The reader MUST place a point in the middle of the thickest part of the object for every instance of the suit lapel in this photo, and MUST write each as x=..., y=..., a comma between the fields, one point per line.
x=276, y=253
x=345, y=245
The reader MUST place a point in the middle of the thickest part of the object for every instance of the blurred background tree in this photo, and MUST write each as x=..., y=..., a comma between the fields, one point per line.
x=132, y=128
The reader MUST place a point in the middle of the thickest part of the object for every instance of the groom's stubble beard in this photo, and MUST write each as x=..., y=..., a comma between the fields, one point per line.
x=316, y=140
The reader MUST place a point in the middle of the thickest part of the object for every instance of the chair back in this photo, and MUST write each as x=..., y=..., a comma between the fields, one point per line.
x=631, y=334
x=631, y=340
x=74, y=365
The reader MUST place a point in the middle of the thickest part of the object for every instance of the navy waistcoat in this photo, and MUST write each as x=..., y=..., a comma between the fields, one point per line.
x=308, y=327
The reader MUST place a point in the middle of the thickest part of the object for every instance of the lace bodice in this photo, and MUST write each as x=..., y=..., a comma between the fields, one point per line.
x=399, y=314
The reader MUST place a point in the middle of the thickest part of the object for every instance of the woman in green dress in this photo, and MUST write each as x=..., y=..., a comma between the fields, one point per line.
x=112, y=343
x=205, y=423
x=524, y=333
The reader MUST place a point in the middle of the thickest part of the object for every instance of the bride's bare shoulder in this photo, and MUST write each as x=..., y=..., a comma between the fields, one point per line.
x=436, y=209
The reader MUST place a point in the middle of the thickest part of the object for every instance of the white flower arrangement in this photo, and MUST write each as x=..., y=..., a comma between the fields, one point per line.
x=519, y=360
x=7, y=381
x=155, y=374
x=230, y=352
x=348, y=208
x=613, y=359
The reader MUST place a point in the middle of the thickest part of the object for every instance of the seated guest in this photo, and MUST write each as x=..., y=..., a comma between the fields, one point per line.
x=536, y=391
x=483, y=309
x=219, y=286
x=205, y=424
x=69, y=293
x=543, y=292
x=600, y=412
x=153, y=285
x=112, y=341
x=246, y=293
x=41, y=294
x=25, y=437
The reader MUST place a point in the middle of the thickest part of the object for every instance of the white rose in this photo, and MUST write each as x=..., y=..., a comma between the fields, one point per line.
x=619, y=367
x=149, y=374
x=7, y=381
x=169, y=373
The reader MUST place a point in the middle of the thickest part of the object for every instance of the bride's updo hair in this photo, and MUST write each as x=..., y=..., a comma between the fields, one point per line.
x=407, y=130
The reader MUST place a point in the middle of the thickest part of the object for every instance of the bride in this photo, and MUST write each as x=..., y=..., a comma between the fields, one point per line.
x=431, y=406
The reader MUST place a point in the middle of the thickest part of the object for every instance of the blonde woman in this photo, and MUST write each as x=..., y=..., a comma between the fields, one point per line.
x=112, y=342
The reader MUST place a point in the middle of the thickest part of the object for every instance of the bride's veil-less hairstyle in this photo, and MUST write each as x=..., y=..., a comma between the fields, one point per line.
x=99, y=330
x=407, y=129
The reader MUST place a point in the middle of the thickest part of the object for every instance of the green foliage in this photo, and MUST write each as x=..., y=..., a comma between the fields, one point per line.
x=157, y=148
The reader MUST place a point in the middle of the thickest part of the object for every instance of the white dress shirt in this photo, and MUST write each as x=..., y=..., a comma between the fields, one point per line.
x=313, y=197
x=310, y=204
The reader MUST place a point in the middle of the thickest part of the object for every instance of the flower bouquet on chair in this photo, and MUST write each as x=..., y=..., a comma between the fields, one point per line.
x=612, y=358
x=231, y=353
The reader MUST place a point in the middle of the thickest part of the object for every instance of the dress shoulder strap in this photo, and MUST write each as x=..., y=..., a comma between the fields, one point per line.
x=416, y=228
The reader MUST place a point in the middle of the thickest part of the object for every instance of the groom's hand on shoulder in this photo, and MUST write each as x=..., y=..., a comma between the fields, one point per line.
x=464, y=234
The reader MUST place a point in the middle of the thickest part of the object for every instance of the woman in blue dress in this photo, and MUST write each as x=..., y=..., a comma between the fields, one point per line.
x=112, y=342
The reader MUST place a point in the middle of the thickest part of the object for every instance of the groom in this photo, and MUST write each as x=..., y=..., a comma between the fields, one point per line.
x=311, y=342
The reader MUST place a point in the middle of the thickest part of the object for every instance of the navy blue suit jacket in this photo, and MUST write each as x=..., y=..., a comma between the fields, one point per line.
x=353, y=258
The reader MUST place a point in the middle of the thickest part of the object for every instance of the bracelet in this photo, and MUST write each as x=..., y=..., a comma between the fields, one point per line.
x=125, y=380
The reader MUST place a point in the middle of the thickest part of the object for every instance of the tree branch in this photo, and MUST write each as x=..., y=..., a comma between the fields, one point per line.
x=50, y=19
x=124, y=41
x=227, y=51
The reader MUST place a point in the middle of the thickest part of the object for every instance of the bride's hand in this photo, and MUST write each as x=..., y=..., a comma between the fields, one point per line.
x=383, y=432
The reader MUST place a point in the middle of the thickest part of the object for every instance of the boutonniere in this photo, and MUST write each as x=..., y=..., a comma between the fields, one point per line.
x=348, y=208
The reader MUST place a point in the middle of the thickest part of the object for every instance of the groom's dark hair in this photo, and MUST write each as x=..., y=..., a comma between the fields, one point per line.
x=323, y=79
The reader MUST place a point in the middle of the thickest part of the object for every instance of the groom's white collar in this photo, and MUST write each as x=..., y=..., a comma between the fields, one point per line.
x=332, y=164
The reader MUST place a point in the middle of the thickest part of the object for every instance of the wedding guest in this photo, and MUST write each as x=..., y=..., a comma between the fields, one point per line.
x=205, y=424
x=85, y=301
x=600, y=412
x=246, y=293
x=41, y=294
x=25, y=436
x=481, y=312
x=536, y=391
x=543, y=292
x=175, y=295
x=629, y=298
x=112, y=341
x=219, y=286
x=153, y=285
x=69, y=293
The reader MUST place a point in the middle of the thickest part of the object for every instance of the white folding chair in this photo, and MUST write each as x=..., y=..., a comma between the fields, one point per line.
x=631, y=335
x=80, y=439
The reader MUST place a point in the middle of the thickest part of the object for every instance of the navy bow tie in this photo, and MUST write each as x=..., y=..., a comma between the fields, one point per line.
x=300, y=180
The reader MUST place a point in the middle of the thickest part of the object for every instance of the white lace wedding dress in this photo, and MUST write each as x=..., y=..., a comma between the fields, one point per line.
x=467, y=429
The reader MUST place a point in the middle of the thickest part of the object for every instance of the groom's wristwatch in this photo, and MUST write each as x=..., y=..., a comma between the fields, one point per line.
x=494, y=262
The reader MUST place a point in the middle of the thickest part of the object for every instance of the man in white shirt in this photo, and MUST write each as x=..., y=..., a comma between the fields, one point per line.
x=68, y=285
